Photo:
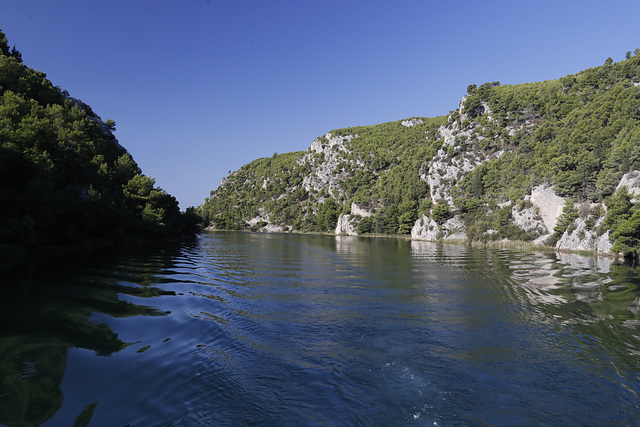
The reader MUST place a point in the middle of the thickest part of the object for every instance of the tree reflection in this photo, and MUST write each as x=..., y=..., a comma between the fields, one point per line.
x=41, y=322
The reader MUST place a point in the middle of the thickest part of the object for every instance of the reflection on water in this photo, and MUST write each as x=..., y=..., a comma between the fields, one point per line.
x=269, y=329
x=39, y=325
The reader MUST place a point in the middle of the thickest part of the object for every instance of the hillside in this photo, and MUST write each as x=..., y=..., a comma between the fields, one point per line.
x=553, y=162
x=65, y=180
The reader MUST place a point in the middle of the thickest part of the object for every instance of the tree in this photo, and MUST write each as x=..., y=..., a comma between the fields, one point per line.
x=627, y=236
x=441, y=212
x=472, y=106
x=365, y=225
x=408, y=215
x=4, y=45
x=618, y=208
x=569, y=214
x=328, y=214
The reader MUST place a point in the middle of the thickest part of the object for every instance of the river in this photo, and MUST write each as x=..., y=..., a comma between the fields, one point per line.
x=256, y=329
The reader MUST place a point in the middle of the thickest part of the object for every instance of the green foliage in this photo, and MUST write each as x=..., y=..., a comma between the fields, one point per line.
x=579, y=133
x=627, y=236
x=365, y=225
x=623, y=219
x=618, y=208
x=383, y=179
x=327, y=215
x=441, y=212
x=472, y=106
x=408, y=214
x=62, y=180
x=569, y=215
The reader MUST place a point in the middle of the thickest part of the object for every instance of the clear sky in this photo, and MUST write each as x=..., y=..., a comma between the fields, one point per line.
x=201, y=87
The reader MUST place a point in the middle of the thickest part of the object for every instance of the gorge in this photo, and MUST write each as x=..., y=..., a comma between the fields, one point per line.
x=539, y=162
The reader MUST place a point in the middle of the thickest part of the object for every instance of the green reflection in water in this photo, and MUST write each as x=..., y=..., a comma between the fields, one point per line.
x=42, y=319
x=31, y=371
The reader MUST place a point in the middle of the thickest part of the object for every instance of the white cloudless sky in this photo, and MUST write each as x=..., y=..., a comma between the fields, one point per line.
x=201, y=87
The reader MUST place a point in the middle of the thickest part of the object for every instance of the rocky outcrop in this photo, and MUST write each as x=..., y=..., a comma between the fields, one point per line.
x=580, y=238
x=631, y=180
x=411, y=122
x=347, y=224
x=583, y=235
x=326, y=174
x=272, y=228
x=528, y=218
x=540, y=213
x=426, y=228
x=549, y=205
x=457, y=157
x=359, y=212
x=445, y=171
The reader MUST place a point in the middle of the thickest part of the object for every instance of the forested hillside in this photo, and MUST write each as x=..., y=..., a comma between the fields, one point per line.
x=492, y=169
x=64, y=178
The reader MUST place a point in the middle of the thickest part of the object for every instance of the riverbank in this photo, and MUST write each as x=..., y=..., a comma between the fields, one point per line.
x=505, y=244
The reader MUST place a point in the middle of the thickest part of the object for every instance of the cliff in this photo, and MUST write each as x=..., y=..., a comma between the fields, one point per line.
x=541, y=162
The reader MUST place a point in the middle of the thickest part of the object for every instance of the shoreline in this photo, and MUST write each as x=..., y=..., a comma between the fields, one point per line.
x=505, y=244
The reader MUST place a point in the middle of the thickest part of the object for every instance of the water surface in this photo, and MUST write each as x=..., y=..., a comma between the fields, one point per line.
x=274, y=329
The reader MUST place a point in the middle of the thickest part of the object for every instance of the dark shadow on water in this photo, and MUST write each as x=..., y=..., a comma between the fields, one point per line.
x=44, y=313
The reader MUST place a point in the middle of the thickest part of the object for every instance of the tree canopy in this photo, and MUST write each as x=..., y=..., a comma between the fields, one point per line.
x=64, y=179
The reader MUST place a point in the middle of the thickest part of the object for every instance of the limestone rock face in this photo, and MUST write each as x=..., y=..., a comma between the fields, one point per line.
x=444, y=170
x=272, y=228
x=582, y=234
x=426, y=228
x=603, y=245
x=632, y=181
x=528, y=218
x=326, y=175
x=347, y=224
x=580, y=238
x=411, y=122
x=453, y=161
x=358, y=211
x=549, y=204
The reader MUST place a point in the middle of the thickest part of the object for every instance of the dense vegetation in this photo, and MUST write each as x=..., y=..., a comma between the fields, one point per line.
x=380, y=170
x=580, y=134
x=64, y=179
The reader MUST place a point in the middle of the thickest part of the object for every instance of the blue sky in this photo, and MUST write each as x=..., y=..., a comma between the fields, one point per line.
x=201, y=87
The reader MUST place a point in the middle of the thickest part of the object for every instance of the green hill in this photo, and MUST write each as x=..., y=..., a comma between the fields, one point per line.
x=493, y=169
x=64, y=178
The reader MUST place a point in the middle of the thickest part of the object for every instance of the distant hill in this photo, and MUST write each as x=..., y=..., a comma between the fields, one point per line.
x=65, y=180
x=553, y=162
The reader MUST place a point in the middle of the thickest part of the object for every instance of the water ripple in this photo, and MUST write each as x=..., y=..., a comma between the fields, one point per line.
x=255, y=329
